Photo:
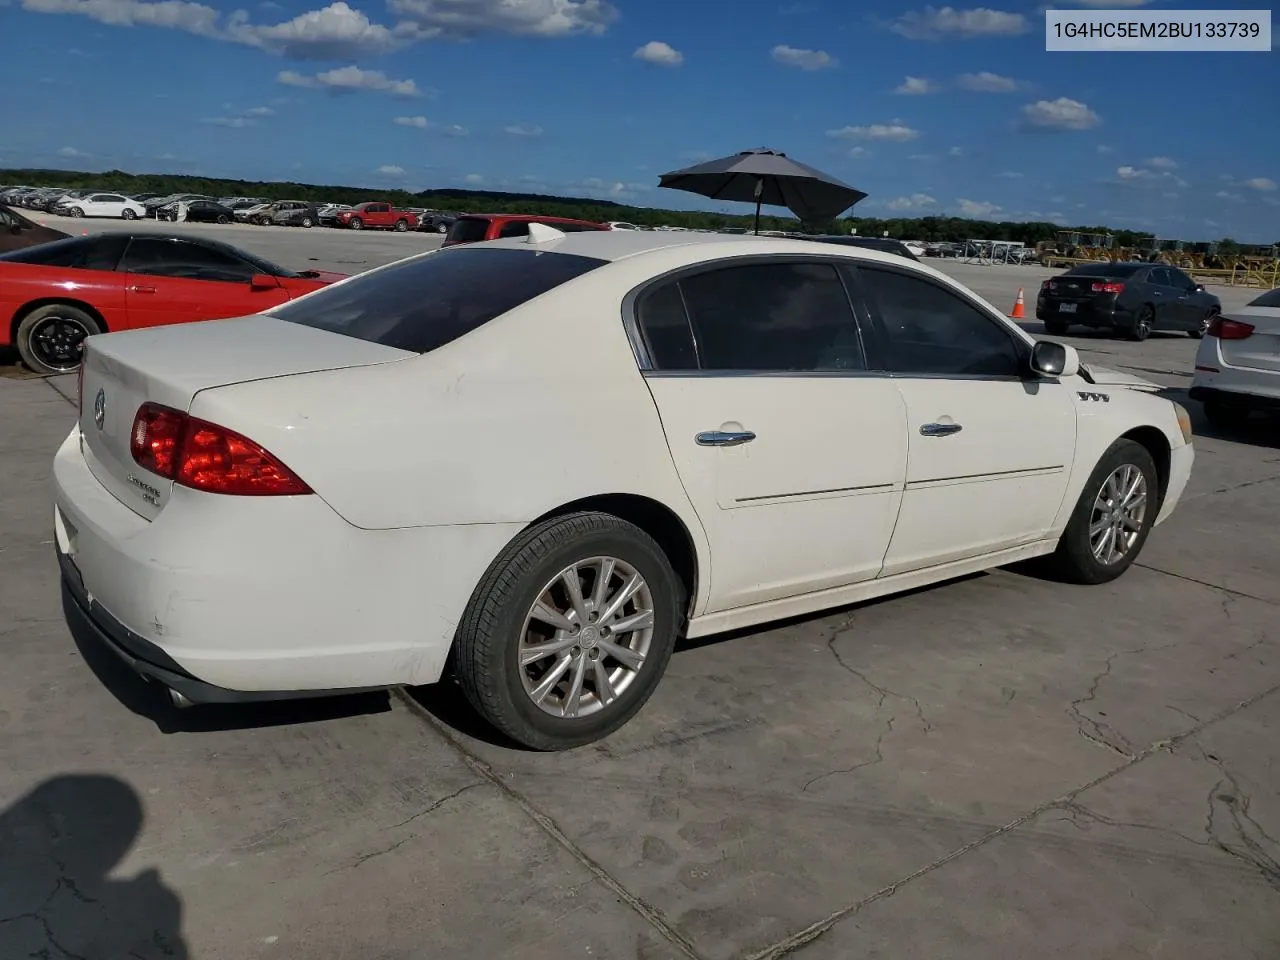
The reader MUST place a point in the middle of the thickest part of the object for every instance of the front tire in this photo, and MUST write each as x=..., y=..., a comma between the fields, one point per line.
x=570, y=631
x=223, y=218
x=442, y=228
x=357, y=223
x=77, y=212
x=308, y=222
x=1112, y=518
x=402, y=226
x=51, y=338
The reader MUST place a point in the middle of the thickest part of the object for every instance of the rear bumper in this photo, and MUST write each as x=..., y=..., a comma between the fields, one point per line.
x=246, y=598
x=1235, y=398
x=1087, y=314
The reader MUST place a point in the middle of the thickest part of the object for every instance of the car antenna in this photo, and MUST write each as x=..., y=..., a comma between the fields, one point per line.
x=541, y=233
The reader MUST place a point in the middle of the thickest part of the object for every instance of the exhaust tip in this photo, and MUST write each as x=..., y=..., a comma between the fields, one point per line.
x=178, y=700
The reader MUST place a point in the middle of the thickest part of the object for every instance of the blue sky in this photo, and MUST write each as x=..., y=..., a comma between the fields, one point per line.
x=929, y=109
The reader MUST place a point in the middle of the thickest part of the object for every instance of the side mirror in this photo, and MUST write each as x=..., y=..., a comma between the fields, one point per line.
x=1198, y=288
x=1051, y=359
x=263, y=281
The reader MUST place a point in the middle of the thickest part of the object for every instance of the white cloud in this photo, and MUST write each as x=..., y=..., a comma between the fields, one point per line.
x=1132, y=173
x=1011, y=175
x=876, y=131
x=419, y=122
x=455, y=130
x=474, y=179
x=1261, y=184
x=660, y=54
x=1162, y=163
x=351, y=79
x=1060, y=114
x=916, y=156
x=1111, y=4
x=390, y=171
x=915, y=86
x=917, y=201
x=525, y=131
x=858, y=153
x=986, y=82
x=803, y=59
x=1103, y=148
x=956, y=152
x=939, y=23
x=335, y=32
x=463, y=19
x=1225, y=195
x=72, y=152
x=235, y=123
x=977, y=208
x=171, y=14
x=259, y=112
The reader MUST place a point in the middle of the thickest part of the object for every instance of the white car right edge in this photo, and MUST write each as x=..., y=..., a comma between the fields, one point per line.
x=533, y=464
x=1237, y=368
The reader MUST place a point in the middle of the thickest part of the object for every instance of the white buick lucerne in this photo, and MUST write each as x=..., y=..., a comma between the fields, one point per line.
x=533, y=464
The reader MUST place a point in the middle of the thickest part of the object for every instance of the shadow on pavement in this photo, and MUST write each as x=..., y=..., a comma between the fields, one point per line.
x=1258, y=430
x=150, y=700
x=58, y=846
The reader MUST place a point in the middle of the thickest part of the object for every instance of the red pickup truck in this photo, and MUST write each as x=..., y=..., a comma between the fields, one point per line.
x=376, y=215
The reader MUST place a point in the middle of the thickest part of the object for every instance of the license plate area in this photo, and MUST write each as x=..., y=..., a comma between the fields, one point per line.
x=1066, y=308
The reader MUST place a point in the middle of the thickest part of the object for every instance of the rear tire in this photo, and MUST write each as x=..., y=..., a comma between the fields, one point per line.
x=1056, y=328
x=1143, y=324
x=442, y=228
x=499, y=630
x=223, y=218
x=1083, y=555
x=129, y=214
x=402, y=226
x=308, y=222
x=50, y=338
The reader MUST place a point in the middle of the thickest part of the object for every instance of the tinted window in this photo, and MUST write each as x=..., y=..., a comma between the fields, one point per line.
x=665, y=328
x=1180, y=279
x=158, y=257
x=1269, y=299
x=927, y=329
x=1103, y=270
x=7, y=219
x=468, y=230
x=514, y=228
x=88, y=253
x=1160, y=277
x=775, y=316
x=426, y=302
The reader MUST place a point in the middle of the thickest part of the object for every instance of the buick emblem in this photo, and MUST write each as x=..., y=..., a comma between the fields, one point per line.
x=100, y=408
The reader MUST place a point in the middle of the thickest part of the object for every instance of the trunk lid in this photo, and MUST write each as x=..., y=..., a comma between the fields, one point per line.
x=170, y=365
x=1077, y=289
x=1261, y=349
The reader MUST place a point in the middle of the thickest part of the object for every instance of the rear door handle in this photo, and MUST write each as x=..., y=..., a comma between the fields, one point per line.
x=940, y=429
x=136, y=289
x=723, y=438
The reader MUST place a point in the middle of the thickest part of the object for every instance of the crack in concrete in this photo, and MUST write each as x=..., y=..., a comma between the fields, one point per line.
x=878, y=758
x=1242, y=845
x=1233, y=487
x=48, y=935
x=1236, y=594
x=882, y=693
x=650, y=914
x=1099, y=728
x=437, y=805
x=809, y=934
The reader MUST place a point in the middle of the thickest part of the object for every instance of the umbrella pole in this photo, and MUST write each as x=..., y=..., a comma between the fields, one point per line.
x=757, y=216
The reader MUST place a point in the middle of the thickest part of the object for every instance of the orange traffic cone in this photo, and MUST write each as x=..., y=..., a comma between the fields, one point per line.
x=1019, y=307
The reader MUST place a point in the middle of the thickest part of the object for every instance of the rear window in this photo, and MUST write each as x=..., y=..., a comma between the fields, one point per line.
x=1104, y=270
x=426, y=302
x=86, y=253
x=1269, y=299
x=468, y=230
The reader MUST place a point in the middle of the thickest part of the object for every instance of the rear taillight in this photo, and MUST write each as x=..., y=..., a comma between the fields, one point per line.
x=205, y=456
x=1230, y=329
x=1108, y=286
x=1047, y=285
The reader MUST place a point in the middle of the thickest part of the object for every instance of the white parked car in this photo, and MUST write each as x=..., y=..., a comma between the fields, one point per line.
x=577, y=448
x=1237, y=367
x=106, y=205
x=620, y=225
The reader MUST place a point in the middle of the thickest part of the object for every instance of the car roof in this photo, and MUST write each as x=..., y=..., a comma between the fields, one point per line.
x=525, y=216
x=616, y=245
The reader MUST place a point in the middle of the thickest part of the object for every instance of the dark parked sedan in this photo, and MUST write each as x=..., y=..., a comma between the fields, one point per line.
x=1135, y=299
x=204, y=211
x=16, y=231
x=883, y=244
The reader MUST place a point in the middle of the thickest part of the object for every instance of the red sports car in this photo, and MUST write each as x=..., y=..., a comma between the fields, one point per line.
x=54, y=295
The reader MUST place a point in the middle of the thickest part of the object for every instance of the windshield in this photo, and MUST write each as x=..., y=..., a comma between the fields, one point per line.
x=427, y=301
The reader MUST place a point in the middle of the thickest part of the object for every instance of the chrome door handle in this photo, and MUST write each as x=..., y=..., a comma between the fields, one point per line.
x=136, y=289
x=721, y=438
x=940, y=429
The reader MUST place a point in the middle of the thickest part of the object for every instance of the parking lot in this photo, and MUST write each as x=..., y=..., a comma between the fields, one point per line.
x=997, y=767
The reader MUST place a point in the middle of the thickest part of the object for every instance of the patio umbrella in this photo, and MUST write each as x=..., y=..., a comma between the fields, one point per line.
x=767, y=177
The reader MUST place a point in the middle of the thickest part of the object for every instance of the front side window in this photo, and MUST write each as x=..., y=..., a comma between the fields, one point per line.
x=84, y=253
x=926, y=329
x=779, y=317
x=425, y=302
x=159, y=257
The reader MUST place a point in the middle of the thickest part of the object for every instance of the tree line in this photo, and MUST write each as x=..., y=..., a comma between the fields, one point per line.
x=936, y=228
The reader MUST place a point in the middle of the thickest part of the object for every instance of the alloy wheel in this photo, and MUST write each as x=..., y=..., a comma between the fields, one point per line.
x=1118, y=514
x=58, y=342
x=586, y=637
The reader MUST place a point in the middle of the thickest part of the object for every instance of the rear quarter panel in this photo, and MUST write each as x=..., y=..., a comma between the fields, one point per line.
x=539, y=408
x=22, y=287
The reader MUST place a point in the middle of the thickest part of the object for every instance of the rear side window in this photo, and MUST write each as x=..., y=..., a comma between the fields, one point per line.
x=427, y=302
x=91, y=253
x=468, y=230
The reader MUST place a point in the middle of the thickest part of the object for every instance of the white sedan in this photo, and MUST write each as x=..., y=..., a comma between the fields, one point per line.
x=107, y=205
x=1237, y=369
x=574, y=450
